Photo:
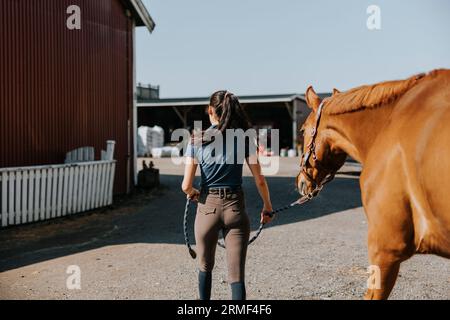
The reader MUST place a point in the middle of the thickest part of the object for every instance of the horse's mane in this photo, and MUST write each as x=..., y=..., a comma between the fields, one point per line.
x=369, y=96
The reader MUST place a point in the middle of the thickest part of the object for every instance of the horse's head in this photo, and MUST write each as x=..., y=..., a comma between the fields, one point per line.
x=320, y=159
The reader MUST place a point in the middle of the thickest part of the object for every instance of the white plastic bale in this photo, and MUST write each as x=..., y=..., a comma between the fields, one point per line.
x=142, y=148
x=149, y=138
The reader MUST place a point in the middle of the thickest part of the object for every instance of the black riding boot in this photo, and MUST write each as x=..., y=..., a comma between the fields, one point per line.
x=204, y=284
x=238, y=291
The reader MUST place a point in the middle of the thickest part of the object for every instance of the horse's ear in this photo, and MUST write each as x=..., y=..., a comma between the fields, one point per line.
x=312, y=99
x=335, y=91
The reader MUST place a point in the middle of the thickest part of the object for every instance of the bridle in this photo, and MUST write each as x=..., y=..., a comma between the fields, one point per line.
x=311, y=153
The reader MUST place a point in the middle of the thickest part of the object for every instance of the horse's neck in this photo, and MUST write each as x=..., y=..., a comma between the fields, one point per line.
x=355, y=132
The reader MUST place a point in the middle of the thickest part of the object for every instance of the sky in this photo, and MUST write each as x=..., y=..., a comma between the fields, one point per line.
x=253, y=47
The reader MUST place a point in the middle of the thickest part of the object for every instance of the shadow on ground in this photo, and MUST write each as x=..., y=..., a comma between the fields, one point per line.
x=159, y=221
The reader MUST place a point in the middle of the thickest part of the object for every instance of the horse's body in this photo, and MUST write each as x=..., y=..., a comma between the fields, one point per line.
x=400, y=132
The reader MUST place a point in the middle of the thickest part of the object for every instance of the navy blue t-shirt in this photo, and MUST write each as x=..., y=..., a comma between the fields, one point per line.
x=221, y=160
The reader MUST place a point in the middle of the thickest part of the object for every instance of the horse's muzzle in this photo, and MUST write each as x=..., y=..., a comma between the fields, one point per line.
x=302, y=186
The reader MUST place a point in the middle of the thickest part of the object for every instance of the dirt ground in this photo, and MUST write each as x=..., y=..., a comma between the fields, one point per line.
x=135, y=250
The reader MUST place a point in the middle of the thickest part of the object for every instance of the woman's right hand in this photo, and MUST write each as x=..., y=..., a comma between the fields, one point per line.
x=266, y=215
x=193, y=195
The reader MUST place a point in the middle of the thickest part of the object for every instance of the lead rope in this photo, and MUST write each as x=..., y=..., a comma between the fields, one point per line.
x=185, y=227
x=261, y=225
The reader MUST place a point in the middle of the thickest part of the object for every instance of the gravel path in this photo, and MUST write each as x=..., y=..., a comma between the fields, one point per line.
x=136, y=251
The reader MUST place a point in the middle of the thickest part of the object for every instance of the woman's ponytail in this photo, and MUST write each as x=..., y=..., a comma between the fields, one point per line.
x=229, y=111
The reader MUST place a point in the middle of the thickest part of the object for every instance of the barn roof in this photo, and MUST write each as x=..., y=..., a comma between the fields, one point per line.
x=205, y=100
x=141, y=15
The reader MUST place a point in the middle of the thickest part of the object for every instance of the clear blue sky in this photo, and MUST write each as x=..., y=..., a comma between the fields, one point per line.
x=282, y=46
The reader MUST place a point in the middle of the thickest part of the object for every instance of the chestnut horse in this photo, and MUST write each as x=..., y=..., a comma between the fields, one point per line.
x=400, y=132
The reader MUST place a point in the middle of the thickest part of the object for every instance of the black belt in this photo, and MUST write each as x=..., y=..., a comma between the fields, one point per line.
x=224, y=190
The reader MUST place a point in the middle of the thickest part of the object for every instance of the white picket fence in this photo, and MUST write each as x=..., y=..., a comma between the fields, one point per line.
x=39, y=193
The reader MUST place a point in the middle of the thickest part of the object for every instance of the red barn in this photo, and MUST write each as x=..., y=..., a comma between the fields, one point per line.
x=64, y=87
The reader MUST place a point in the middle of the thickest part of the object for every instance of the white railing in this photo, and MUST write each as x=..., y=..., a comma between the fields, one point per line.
x=39, y=193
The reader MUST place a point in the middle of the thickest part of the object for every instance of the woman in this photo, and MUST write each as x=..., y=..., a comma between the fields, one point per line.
x=221, y=205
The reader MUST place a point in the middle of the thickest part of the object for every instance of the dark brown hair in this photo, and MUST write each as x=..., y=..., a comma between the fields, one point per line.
x=229, y=111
